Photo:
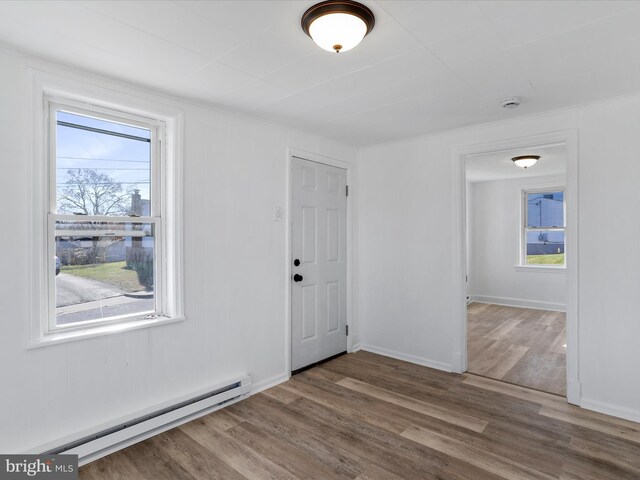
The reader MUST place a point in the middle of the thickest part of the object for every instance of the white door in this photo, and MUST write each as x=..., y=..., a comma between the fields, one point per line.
x=318, y=263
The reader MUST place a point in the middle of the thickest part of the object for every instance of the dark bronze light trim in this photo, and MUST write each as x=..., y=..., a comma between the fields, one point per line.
x=535, y=159
x=523, y=157
x=338, y=6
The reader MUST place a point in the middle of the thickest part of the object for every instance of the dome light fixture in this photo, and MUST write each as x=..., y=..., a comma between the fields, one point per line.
x=511, y=102
x=525, y=161
x=338, y=26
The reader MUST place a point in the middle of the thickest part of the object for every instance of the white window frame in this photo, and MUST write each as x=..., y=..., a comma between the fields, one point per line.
x=524, y=228
x=157, y=129
x=166, y=207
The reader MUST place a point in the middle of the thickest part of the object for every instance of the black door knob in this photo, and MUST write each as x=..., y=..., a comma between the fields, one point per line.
x=296, y=262
x=297, y=278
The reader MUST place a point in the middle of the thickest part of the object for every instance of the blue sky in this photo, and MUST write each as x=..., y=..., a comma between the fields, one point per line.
x=127, y=161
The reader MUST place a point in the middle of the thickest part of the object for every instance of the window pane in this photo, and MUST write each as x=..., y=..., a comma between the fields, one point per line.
x=545, y=209
x=103, y=270
x=545, y=247
x=102, y=167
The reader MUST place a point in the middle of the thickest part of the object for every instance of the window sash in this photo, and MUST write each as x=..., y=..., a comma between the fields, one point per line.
x=157, y=133
x=525, y=228
x=525, y=206
x=524, y=260
x=156, y=312
x=156, y=206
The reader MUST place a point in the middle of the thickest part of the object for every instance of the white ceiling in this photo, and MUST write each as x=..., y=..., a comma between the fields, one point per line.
x=499, y=166
x=427, y=66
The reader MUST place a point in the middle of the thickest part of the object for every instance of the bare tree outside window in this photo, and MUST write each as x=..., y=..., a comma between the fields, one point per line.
x=88, y=192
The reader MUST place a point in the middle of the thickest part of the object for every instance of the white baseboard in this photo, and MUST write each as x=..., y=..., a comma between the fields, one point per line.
x=356, y=347
x=425, y=362
x=631, y=414
x=268, y=383
x=457, y=363
x=519, y=302
x=574, y=392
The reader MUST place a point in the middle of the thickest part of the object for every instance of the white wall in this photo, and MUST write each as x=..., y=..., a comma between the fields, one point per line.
x=408, y=256
x=235, y=173
x=494, y=218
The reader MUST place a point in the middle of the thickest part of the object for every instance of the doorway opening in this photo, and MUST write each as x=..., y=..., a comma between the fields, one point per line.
x=519, y=277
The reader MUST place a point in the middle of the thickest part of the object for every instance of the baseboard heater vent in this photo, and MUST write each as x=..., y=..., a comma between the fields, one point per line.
x=90, y=447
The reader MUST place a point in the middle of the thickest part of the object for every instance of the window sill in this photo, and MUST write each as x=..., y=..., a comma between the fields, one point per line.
x=99, y=331
x=541, y=269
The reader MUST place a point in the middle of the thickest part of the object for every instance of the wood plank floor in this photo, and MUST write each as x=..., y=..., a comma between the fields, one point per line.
x=367, y=417
x=518, y=345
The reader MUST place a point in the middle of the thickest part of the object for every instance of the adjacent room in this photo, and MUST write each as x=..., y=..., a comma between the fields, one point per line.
x=516, y=268
x=376, y=239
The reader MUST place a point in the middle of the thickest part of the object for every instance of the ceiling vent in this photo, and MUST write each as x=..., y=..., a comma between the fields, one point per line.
x=511, y=102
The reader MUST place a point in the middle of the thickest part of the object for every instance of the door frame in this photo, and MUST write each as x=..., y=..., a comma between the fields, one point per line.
x=570, y=139
x=332, y=162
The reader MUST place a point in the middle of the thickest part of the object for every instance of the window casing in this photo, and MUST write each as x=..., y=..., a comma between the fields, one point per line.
x=543, y=228
x=149, y=235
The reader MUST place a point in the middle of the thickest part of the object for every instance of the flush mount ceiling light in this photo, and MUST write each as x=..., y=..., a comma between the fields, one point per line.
x=511, y=102
x=338, y=26
x=525, y=161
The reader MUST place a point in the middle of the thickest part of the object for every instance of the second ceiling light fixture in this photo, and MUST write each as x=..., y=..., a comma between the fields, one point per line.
x=525, y=161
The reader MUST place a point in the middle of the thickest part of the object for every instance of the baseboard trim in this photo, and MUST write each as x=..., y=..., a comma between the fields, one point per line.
x=355, y=348
x=425, y=362
x=456, y=363
x=630, y=414
x=519, y=302
x=574, y=392
x=269, y=383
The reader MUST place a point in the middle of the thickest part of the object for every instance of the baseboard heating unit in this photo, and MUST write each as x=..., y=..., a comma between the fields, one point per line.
x=109, y=438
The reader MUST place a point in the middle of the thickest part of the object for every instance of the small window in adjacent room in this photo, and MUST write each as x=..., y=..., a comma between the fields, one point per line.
x=106, y=229
x=543, y=233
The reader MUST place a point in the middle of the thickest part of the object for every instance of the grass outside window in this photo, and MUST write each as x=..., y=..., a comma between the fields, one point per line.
x=113, y=273
x=552, y=259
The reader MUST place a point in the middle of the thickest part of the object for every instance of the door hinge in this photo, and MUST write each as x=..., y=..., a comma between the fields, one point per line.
x=347, y=190
x=347, y=330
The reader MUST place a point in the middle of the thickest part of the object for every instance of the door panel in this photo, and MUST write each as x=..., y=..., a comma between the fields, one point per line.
x=309, y=176
x=309, y=234
x=319, y=241
x=333, y=235
x=333, y=306
x=309, y=311
x=333, y=182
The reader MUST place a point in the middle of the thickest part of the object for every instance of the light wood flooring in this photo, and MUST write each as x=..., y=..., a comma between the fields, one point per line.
x=518, y=345
x=366, y=417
